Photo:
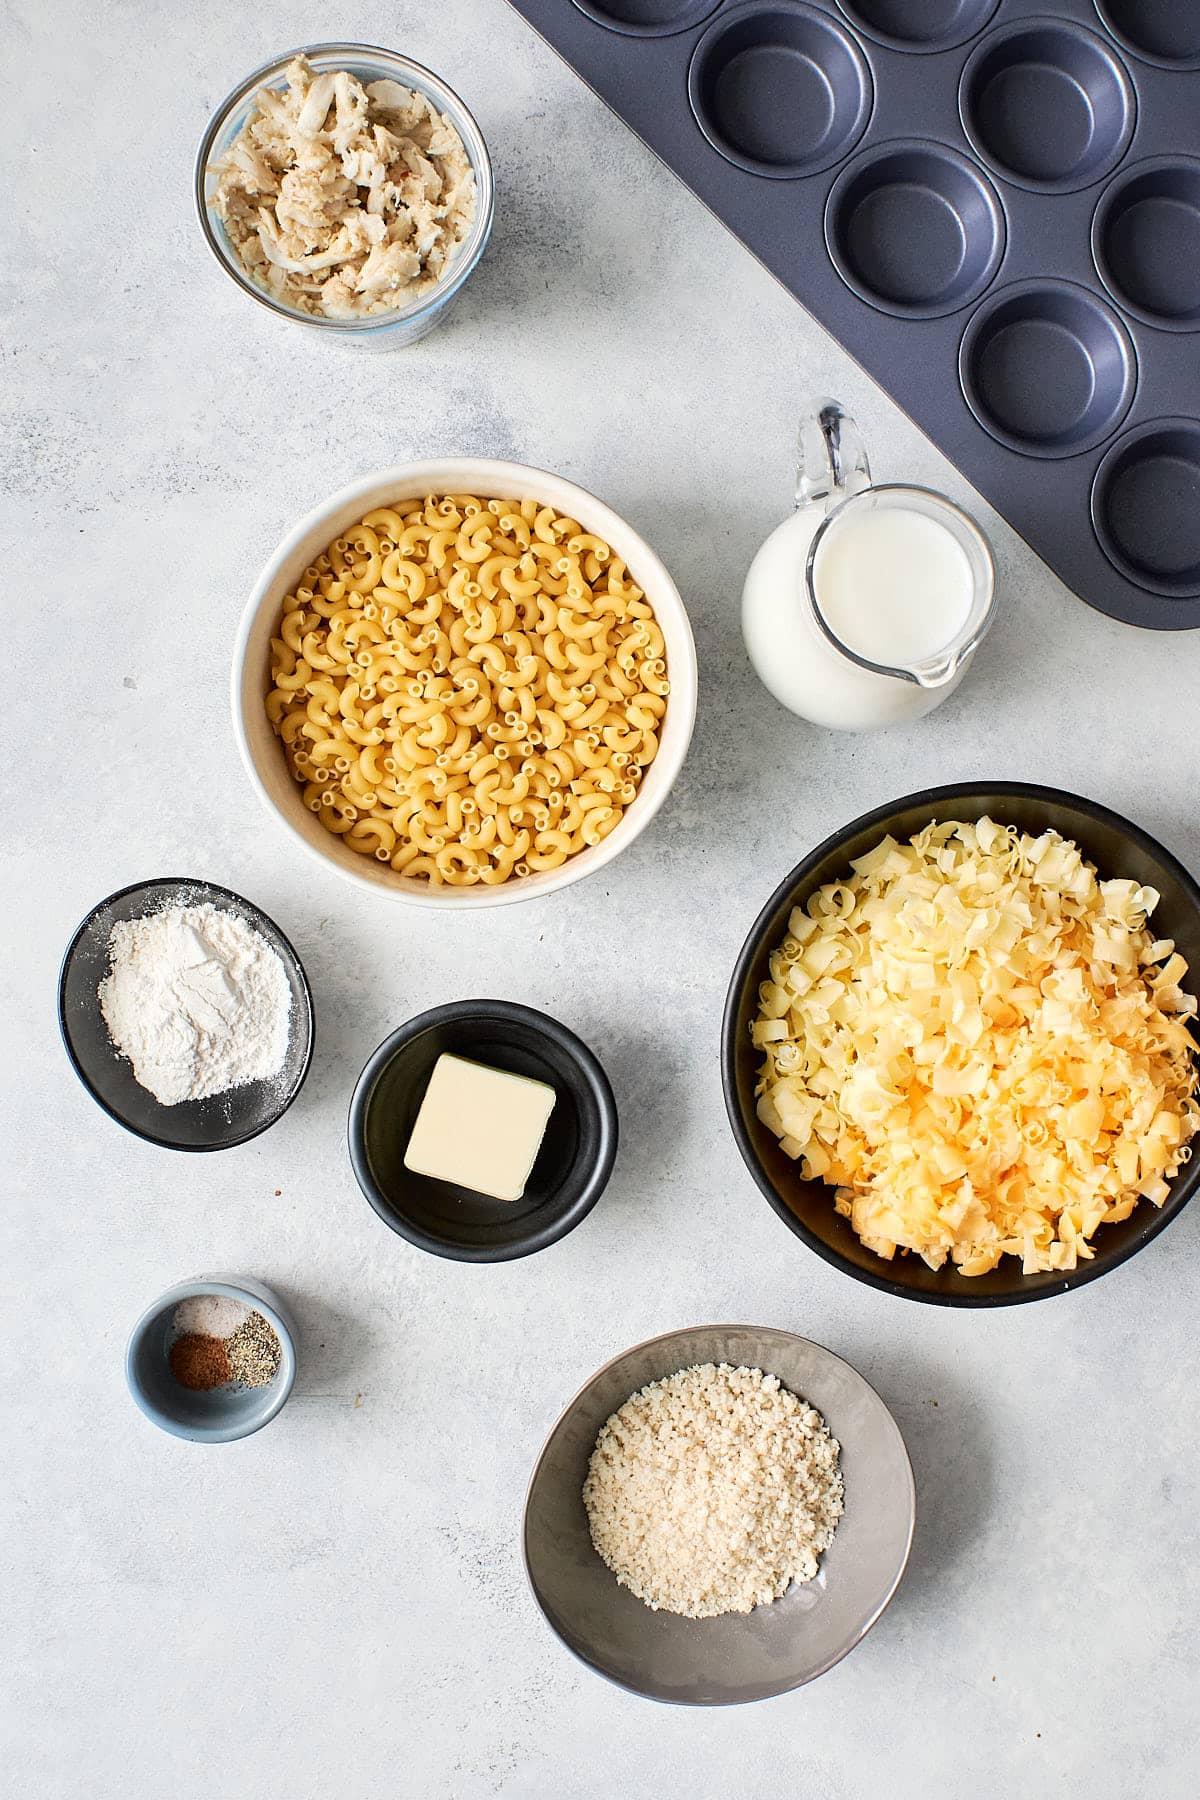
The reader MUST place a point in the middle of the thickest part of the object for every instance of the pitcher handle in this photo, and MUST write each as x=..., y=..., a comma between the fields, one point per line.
x=833, y=458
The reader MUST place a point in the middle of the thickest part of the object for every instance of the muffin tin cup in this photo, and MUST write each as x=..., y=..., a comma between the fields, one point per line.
x=915, y=229
x=1146, y=241
x=1046, y=105
x=779, y=88
x=919, y=26
x=1163, y=33
x=1047, y=369
x=986, y=206
x=1145, y=504
x=647, y=18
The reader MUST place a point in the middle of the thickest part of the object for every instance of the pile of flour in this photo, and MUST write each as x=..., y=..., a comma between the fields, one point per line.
x=197, y=1000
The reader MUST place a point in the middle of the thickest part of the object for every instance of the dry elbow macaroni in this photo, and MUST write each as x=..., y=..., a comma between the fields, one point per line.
x=468, y=689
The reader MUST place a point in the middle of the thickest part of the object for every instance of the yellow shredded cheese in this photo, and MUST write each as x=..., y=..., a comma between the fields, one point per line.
x=981, y=1046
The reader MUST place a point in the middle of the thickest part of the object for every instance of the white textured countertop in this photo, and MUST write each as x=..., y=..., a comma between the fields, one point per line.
x=336, y=1607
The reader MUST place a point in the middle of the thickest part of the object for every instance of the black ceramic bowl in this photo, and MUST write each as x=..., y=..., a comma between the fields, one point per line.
x=214, y=1124
x=1117, y=848
x=573, y=1164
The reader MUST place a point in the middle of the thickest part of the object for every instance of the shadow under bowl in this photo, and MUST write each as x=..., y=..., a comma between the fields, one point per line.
x=1118, y=849
x=223, y=1120
x=572, y=1167
x=216, y=1415
x=740, y=1656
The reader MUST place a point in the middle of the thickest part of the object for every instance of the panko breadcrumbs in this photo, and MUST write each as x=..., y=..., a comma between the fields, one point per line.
x=712, y=1490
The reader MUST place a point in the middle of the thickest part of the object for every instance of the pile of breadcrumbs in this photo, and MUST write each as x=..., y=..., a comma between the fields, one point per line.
x=712, y=1491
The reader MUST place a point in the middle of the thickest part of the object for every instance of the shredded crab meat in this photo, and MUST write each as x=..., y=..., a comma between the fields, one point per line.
x=342, y=200
x=981, y=1046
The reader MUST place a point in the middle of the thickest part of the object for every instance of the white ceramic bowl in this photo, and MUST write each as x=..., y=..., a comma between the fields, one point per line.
x=262, y=752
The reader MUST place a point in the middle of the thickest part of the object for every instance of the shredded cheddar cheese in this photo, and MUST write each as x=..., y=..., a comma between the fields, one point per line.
x=981, y=1046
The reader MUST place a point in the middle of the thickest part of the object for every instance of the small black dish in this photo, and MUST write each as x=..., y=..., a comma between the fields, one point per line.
x=214, y=1124
x=573, y=1165
x=1117, y=848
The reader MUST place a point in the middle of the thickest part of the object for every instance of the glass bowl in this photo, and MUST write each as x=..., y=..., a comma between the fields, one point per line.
x=382, y=331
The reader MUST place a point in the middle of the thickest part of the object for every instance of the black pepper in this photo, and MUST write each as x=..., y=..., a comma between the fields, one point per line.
x=253, y=1352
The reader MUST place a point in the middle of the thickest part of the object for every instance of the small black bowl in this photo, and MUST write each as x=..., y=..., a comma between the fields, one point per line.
x=214, y=1124
x=1116, y=848
x=573, y=1164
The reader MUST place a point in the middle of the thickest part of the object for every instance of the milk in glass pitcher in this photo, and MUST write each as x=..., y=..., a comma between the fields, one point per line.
x=863, y=609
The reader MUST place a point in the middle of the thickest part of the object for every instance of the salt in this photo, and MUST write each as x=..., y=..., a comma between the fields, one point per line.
x=210, y=1315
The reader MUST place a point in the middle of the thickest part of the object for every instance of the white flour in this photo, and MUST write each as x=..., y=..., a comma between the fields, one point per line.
x=197, y=1000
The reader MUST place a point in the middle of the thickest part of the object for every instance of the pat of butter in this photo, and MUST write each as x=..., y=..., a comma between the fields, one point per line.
x=479, y=1127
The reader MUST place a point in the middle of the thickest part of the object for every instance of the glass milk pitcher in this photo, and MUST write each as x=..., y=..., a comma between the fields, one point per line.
x=864, y=608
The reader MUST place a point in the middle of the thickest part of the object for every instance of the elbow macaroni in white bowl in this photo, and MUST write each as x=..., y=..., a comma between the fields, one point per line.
x=322, y=799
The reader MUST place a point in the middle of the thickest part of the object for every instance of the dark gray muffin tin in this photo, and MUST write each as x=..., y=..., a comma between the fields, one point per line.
x=994, y=205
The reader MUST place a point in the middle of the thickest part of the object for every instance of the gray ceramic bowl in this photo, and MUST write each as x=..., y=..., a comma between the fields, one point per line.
x=720, y=1662
x=223, y=1414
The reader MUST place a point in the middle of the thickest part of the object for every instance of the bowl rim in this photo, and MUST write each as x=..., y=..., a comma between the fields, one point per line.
x=1157, y=1219
x=308, y=1011
x=260, y=1298
x=460, y=472
x=665, y=1337
x=538, y=1237
x=474, y=144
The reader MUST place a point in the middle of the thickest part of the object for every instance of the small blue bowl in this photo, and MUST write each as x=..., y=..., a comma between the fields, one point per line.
x=218, y=1415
